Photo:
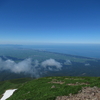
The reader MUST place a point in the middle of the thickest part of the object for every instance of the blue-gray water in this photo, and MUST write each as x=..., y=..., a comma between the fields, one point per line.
x=86, y=50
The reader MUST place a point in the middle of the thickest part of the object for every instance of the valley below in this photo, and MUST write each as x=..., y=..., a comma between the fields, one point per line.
x=45, y=75
x=21, y=63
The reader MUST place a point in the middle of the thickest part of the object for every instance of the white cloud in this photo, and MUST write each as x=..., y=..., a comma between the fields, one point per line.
x=26, y=66
x=67, y=62
x=51, y=62
x=87, y=64
x=23, y=66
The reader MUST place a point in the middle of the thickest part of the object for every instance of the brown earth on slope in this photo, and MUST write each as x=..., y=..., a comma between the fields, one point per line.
x=56, y=81
x=87, y=93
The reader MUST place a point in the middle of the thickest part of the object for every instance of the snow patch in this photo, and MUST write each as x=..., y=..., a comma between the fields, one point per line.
x=8, y=93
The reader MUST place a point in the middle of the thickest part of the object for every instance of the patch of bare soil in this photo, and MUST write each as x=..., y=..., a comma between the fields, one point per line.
x=74, y=78
x=87, y=93
x=56, y=81
x=74, y=84
x=66, y=78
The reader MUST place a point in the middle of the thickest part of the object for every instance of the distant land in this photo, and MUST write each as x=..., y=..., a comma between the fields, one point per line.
x=86, y=50
x=21, y=61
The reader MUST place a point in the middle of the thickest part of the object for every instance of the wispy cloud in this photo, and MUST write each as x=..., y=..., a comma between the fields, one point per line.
x=23, y=66
x=26, y=66
x=67, y=62
x=52, y=63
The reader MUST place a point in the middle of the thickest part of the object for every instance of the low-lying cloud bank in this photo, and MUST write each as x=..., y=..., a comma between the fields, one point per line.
x=51, y=62
x=23, y=66
x=68, y=62
x=27, y=67
x=87, y=64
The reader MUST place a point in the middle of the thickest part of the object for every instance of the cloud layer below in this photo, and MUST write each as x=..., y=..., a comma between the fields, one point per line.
x=27, y=67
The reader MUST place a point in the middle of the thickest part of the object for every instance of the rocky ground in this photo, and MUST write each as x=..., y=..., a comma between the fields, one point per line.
x=87, y=93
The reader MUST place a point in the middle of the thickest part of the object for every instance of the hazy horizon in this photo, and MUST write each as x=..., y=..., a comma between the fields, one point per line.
x=51, y=44
x=86, y=50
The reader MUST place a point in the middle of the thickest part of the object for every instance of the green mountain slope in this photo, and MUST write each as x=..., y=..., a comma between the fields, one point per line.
x=12, y=84
x=48, y=88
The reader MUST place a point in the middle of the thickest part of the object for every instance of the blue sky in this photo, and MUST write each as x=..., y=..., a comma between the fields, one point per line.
x=49, y=21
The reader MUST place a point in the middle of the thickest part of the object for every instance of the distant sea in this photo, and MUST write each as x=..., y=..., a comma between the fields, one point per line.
x=86, y=50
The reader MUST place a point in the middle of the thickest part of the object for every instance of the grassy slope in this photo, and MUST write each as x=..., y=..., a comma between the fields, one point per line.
x=40, y=89
x=12, y=84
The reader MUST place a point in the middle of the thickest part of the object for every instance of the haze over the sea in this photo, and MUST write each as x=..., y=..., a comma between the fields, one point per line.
x=85, y=50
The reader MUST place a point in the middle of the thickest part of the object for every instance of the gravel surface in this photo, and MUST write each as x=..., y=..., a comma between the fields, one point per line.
x=87, y=93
